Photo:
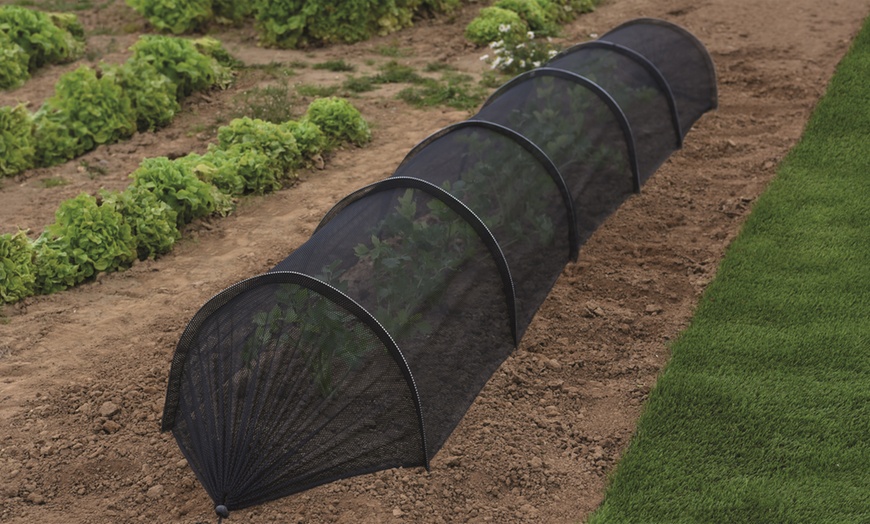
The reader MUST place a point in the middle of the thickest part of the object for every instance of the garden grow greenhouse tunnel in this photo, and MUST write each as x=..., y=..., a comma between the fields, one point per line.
x=364, y=348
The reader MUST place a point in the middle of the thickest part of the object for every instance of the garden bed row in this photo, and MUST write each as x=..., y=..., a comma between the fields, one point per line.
x=109, y=232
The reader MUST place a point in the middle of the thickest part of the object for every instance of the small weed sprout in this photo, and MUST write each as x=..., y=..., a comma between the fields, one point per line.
x=514, y=54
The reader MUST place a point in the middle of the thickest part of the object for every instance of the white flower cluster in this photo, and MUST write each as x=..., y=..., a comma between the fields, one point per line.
x=510, y=55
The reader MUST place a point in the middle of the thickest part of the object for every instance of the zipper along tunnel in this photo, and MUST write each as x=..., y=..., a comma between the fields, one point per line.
x=364, y=348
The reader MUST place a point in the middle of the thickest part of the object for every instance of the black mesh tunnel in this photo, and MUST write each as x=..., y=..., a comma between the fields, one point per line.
x=514, y=188
x=431, y=272
x=281, y=383
x=640, y=90
x=581, y=129
x=681, y=58
x=363, y=349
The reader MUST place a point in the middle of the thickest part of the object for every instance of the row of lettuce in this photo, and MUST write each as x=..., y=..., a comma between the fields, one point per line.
x=515, y=19
x=293, y=23
x=518, y=32
x=91, y=106
x=109, y=232
x=31, y=39
x=299, y=23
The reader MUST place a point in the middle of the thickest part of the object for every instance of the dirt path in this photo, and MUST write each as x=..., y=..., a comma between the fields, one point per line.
x=82, y=373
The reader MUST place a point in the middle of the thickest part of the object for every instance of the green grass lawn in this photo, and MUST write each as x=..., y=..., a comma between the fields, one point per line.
x=763, y=413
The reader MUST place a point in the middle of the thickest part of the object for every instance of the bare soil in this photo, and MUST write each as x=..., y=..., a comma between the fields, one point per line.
x=83, y=372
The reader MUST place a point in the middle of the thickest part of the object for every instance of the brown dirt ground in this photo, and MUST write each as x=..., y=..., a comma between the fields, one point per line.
x=538, y=444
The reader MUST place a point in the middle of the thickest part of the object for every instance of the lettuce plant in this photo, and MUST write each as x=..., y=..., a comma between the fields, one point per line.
x=281, y=23
x=85, y=111
x=296, y=23
x=339, y=120
x=56, y=268
x=152, y=94
x=95, y=237
x=16, y=140
x=175, y=16
x=492, y=22
x=273, y=140
x=178, y=59
x=42, y=40
x=175, y=184
x=13, y=63
x=17, y=270
x=217, y=168
x=539, y=18
x=310, y=139
x=152, y=222
x=231, y=10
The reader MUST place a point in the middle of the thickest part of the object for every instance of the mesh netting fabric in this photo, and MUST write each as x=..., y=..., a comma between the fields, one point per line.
x=364, y=348
x=639, y=89
x=681, y=58
x=515, y=190
x=581, y=129
x=282, y=384
x=433, y=275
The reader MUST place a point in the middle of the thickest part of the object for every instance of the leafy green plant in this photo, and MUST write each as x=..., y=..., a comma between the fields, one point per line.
x=270, y=103
x=570, y=9
x=453, y=90
x=179, y=59
x=297, y=23
x=175, y=184
x=85, y=111
x=13, y=63
x=356, y=20
x=304, y=322
x=42, y=40
x=514, y=54
x=310, y=139
x=539, y=17
x=258, y=169
x=16, y=140
x=152, y=222
x=335, y=66
x=56, y=268
x=393, y=72
x=153, y=96
x=491, y=24
x=231, y=11
x=316, y=90
x=214, y=48
x=17, y=270
x=411, y=253
x=96, y=237
x=69, y=23
x=174, y=16
x=281, y=23
x=275, y=141
x=339, y=120
x=217, y=168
